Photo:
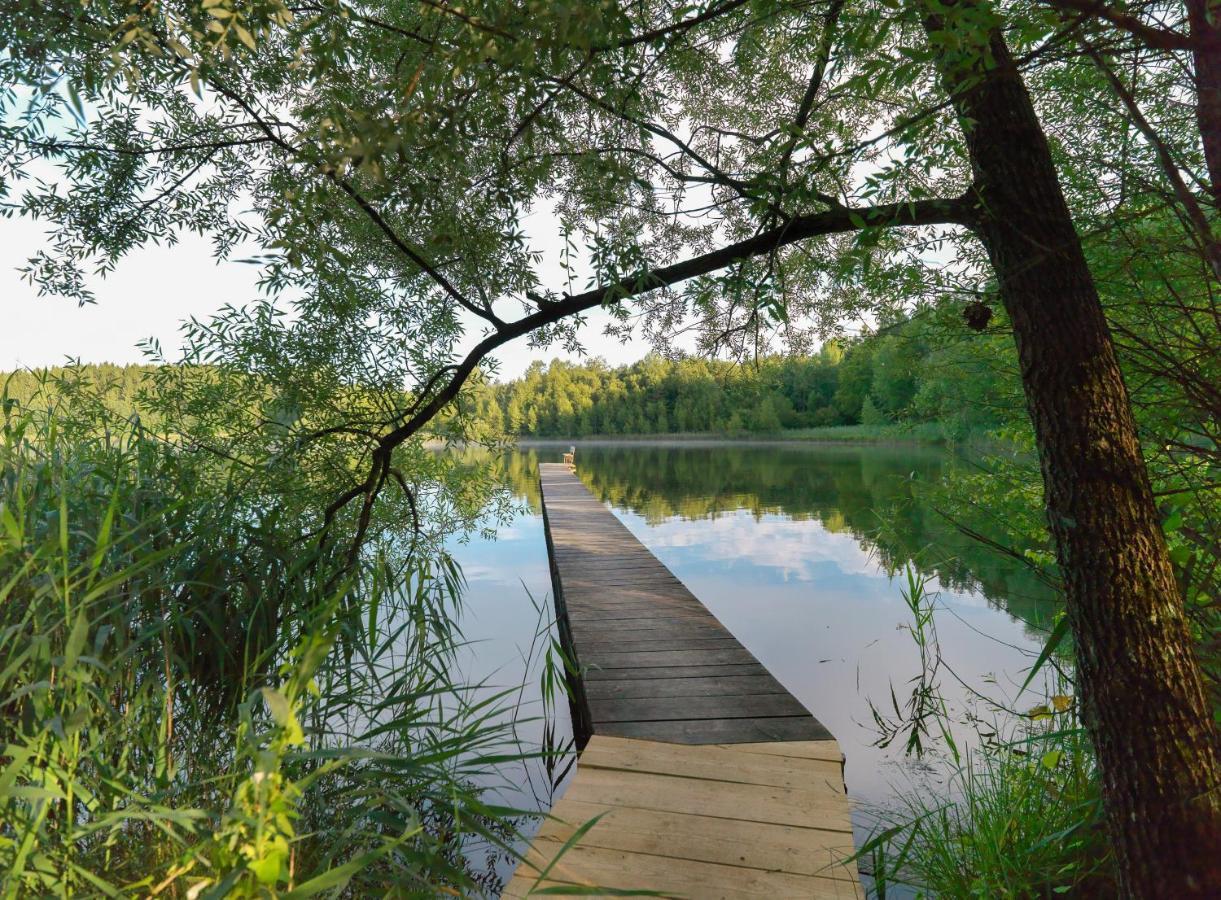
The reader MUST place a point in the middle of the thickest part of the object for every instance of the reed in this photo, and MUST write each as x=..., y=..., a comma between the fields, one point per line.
x=196, y=703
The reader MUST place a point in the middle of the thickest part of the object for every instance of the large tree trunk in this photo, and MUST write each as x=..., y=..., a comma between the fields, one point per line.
x=1206, y=55
x=1139, y=681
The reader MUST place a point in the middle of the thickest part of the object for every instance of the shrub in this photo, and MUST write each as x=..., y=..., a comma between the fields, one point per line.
x=1020, y=817
x=871, y=415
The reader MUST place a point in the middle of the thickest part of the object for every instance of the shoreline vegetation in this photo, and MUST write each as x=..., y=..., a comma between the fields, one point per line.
x=929, y=434
x=898, y=385
x=118, y=388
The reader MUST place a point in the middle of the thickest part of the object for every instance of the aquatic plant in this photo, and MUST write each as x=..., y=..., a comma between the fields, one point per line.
x=1020, y=814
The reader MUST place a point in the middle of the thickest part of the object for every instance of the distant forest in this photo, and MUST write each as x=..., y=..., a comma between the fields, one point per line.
x=118, y=386
x=903, y=375
x=898, y=376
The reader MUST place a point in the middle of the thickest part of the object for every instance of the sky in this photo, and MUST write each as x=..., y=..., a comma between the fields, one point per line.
x=151, y=293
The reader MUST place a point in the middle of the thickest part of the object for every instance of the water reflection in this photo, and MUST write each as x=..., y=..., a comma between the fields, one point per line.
x=793, y=547
x=877, y=495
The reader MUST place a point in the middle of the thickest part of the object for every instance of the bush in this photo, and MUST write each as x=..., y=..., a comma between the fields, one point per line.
x=825, y=417
x=1023, y=816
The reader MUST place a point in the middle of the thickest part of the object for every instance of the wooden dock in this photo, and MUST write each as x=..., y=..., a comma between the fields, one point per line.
x=711, y=779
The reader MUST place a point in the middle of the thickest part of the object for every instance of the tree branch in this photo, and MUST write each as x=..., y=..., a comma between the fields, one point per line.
x=1195, y=214
x=707, y=15
x=1150, y=35
x=956, y=211
x=366, y=207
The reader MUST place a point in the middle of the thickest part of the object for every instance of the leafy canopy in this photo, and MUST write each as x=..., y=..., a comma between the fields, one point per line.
x=730, y=169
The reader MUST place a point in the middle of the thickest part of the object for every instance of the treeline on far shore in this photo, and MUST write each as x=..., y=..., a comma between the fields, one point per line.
x=898, y=376
x=906, y=378
x=118, y=387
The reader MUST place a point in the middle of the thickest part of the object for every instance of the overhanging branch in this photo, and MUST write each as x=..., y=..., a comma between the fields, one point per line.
x=955, y=211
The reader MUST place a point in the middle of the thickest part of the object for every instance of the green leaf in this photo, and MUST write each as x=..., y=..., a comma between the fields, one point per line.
x=338, y=877
x=76, y=640
x=1053, y=641
x=1039, y=713
x=268, y=867
x=245, y=36
x=568, y=845
x=103, y=539
x=277, y=703
x=74, y=98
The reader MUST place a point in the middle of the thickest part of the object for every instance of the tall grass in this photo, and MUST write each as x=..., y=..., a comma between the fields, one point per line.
x=1021, y=813
x=1023, y=819
x=196, y=703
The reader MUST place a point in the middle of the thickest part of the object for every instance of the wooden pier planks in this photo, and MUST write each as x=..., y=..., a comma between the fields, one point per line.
x=656, y=663
x=707, y=779
x=709, y=821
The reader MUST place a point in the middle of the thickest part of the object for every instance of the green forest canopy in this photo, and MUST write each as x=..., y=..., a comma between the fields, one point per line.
x=904, y=374
x=898, y=377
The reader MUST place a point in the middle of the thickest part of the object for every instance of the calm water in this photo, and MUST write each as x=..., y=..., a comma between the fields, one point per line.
x=793, y=548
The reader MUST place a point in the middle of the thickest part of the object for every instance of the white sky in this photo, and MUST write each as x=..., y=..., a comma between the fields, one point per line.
x=150, y=293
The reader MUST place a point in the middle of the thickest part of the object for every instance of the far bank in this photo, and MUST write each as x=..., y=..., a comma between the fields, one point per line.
x=926, y=434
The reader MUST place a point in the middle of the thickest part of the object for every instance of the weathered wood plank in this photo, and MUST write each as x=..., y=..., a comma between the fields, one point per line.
x=625, y=590
x=755, y=845
x=594, y=614
x=660, y=709
x=659, y=624
x=631, y=641
x=723, y=731
x=631, y=596
x=710, y=686
x=657, y=600
x=686, y=878
x=625, y=872
x=590, y=565
x=647, y=608
x=664, y=672
x=719, y=642
x=816, y=749
x=624, y=579
x=713, y=762
x=727, y=800
x=645, y=659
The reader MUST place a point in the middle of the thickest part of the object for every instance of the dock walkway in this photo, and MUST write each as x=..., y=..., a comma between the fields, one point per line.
x=711, y=779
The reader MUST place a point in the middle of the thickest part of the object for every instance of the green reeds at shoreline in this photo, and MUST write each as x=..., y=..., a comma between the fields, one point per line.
x=197, y=704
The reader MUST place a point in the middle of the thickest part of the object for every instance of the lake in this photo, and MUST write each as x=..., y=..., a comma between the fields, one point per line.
x=799, y=549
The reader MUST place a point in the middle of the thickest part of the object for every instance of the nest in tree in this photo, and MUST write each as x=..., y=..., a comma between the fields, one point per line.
x=978, y=315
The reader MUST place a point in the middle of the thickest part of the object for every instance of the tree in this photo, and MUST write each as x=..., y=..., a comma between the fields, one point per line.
x=1125, y=609
x=855, y=381
x=870, y=414
x=895, y=360
x=393, y=150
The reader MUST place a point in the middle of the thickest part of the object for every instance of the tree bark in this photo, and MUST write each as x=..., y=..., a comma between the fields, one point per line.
x=1206, y=55
x=1142, y=693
